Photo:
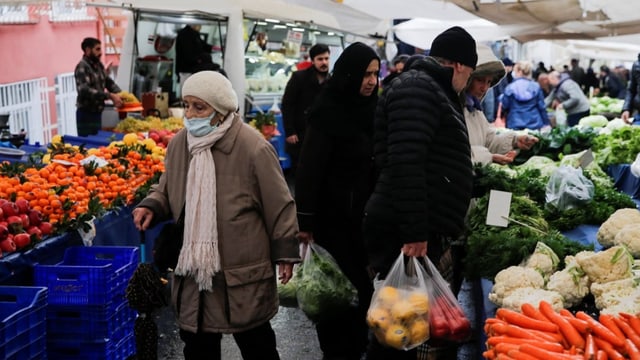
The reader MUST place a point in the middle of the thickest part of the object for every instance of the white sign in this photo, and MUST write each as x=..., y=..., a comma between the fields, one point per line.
x=498, y=209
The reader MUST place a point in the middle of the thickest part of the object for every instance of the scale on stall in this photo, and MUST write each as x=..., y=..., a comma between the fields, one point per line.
x=16, y=140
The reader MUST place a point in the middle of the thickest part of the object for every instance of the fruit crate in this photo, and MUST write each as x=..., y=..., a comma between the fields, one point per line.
x=96, y=275
x=22, y=322
x=106, y=349
x=89, y=323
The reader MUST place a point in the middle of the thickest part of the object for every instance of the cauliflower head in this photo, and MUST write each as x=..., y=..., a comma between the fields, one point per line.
x=612, y=264
x=571, y=282
x=629, y=236
x=543, y=259
x=618, y=220
x=625, y=294
x=532, y=296
x=512, y=278
x=599, y=290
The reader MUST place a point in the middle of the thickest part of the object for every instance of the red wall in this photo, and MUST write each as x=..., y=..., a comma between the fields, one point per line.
x=44, y=49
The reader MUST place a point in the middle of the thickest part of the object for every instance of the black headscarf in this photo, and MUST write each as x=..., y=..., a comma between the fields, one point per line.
x=339, y=108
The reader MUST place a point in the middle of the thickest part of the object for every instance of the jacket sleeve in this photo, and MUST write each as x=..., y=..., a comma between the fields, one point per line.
x=278, y=208
x=289, y=101
x=413, y=117
x=84, y=85
x=574, y=92
x=314, y=159
x=542, y=108
x=111, y=85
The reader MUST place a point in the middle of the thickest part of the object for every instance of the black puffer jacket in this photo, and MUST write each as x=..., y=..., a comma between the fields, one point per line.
x=423, y=158
x=632, y=101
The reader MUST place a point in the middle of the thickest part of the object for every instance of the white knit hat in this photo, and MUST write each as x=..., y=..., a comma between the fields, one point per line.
x=213, y=88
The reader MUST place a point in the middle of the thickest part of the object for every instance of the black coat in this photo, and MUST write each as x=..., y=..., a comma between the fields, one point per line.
x=301, y=90
x=422, y=154
x=189, y=46
x=632, y=101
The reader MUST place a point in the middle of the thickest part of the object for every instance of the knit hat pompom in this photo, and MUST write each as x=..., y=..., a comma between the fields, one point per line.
x=212, y=88
x=455, y=44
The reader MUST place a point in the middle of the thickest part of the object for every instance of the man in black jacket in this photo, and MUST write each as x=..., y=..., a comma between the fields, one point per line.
x=423, y=158
x=190, y=47
x=631, y=100
x=301, y=90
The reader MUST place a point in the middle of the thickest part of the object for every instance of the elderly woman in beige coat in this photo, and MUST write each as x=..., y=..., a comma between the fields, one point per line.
x=487, y=145
x=239, y=221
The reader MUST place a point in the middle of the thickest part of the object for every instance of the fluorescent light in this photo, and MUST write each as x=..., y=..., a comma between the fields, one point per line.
x=272, y=21
x=317, y=32
x=330, y=33
x=291, y=24
x=298, y=29
x=261, y=23
x=279, y=27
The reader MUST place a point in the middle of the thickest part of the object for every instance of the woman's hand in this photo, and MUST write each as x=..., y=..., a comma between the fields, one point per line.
x=305, y=237
x=504, y=159
x=142, y=218
x=285, y=272
x=525, y=142
x=416, y=249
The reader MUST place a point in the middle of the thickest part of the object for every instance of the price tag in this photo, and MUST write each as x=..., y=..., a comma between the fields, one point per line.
x=498, y=209
x=586, y=159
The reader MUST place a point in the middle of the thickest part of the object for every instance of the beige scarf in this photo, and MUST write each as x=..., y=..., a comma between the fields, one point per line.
x=199, y=256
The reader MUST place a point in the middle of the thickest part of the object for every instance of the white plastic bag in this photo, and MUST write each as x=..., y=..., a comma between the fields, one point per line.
x=399, y=310
x=635, y=167
x=561, y=118
x=568, y=188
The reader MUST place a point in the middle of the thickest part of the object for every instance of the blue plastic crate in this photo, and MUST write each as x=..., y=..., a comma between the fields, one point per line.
x=89, y=323
x=96, y=275
x=22, y=322
x=107, y=349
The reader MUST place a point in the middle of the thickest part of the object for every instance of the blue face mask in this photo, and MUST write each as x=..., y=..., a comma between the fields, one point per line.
x=200, y=126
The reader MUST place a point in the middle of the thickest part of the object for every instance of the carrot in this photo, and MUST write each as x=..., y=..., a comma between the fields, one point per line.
x=579, y=324
x=565, y=312
x=504, y=357
x=570, y=333
x=515, y=331
x=609, y=323
x=632, y=350
x=489, y=354
x=627, y=330
x=532, y=312
x=504, y=348
x=607, y=347
x=634, y=322
x=601, y=331
x=547, y=355
x=547, y=345
x=601, y=355
x=519, y=355
x=590, y=349
x=524, y=321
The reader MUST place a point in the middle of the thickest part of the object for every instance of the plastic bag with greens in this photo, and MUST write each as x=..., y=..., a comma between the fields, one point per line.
x=568, y=188
x=322, y=287
x=287, y=292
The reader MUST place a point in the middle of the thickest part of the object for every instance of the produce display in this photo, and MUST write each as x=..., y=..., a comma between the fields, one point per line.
x=133, y=125
x=66, y=187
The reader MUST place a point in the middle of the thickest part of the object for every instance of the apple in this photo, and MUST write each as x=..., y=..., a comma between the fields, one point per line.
x=153, y=135
x=35, y=217
x=15, y=224
x=4, y=232
x=8, y=245
x=35, y=233
x=21, y=240
x=23, y=206
x=9, y=209
x=25, y=220
x=46, y=228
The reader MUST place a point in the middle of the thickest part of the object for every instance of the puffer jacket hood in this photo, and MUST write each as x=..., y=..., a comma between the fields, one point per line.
x=522, y=89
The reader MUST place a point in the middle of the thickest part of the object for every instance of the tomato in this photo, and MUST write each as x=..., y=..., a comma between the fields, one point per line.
x=21, y=240
x=46, y=228
x=8, y=245
x=23, y=206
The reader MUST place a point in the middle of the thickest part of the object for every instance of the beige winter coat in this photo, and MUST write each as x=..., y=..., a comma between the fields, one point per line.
x=256, y=225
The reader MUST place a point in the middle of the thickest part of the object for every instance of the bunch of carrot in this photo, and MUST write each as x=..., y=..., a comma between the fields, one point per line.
x=542, y=333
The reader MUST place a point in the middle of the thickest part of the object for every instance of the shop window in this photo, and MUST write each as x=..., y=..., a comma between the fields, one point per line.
x=17, y=14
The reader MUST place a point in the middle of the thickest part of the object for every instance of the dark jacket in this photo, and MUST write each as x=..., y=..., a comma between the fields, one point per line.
x=424, y=159
x=302, y=89
x=91, y=82
x=631, y=100
x=189, y=46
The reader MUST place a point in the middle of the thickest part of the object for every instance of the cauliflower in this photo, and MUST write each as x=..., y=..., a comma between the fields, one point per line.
x=629, y=236
x=618, y=220
x=512, y=278
x=599, y=289
x=532, y=296
x=571, y=282
x=628, y=304
x=612, y=264
x=543, y=259
x=622, y=293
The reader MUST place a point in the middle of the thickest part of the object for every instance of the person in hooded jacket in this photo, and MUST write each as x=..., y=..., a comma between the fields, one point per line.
x=425, y=180
x=567, y=94
x=523, y=101
x=333, y=182
x=487, y=145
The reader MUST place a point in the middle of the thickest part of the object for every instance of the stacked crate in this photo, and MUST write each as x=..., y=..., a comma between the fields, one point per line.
x=88, y=316
x=22, y=322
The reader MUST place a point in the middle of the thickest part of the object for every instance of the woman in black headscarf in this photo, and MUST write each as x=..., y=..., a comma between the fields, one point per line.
x=333, y=182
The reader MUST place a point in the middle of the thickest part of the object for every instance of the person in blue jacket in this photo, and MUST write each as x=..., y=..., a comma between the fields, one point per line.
x=523, y=101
